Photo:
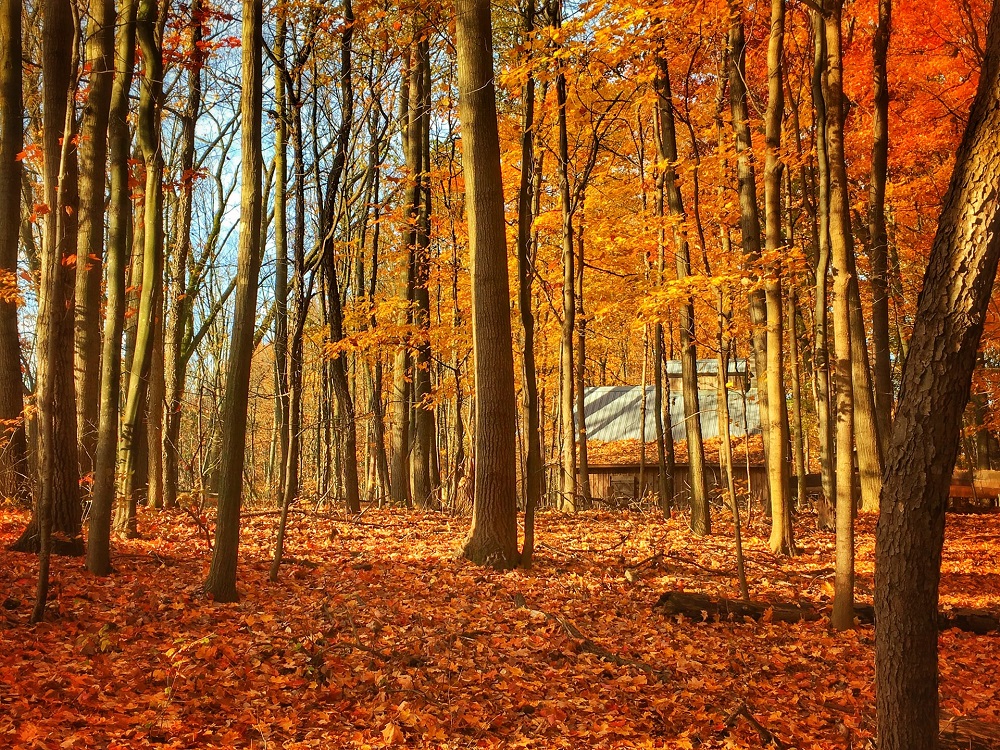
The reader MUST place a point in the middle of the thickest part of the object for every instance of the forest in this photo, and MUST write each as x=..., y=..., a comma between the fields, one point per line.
x=535, y=374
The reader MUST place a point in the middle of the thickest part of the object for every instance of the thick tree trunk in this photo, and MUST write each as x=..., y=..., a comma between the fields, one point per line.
x=781, y=541
x=747, y=186
x=842, y=251
x=58, y=470
x=492, y=539
x=93, y=150
x=14, y=482
x=119, y=221
x=221, y=582
x=338, y=365
x=148, y=24
x=935, y=390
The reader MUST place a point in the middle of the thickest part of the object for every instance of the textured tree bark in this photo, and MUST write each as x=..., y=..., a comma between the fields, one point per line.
x=338, y=365
x=525, y=267
x=781, y=540
x=935, y=390
x=14, y=482
x=148, y=25
x=93, y=151
x=821, y=348
x=492, y=539
x=119, y=220
x=178, y=300
x=418, y=193
x=747, y=185
x=841, y=250
x=879, y=250
x=669, y=189
x=280, y=269
x=399, y=435
x=221, y=581
x=57, y=477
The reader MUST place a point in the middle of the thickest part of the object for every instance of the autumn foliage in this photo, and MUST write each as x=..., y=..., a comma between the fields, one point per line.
x=375, y=637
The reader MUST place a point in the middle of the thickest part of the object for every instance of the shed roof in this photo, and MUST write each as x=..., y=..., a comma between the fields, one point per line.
x=615, y=413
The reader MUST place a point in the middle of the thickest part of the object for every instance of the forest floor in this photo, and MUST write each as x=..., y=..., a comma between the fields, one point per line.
x=377, y=637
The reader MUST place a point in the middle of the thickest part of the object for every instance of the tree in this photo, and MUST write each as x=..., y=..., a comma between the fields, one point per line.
x=148, y=33
x=93, y=150
x=119, y=219
x=781, y=540
x=13, y=456
x=841, y=252
x=935, y=390
x=668, y=189
x=492, y=538
x=57, y=505
x=221, y=582
x=533, y=470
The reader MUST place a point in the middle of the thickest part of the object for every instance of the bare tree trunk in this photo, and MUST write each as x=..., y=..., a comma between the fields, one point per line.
x=418, y=156
x=338, y=364
x=281, y=268
x=935, y=391
x=58, y=470
x=221, y=582
x=492, y=538
x=14, y=482
x=569, y=466
x=119, y=221
x=669, y=189
x=93, y=151
x=821, y=349
x=877, y=227
x=525, y=268
x=580, y=375
x=749, y=213
x=842, y=250
x=782, y=540
x=148, y=25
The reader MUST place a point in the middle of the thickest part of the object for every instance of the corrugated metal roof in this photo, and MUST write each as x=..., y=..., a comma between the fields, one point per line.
x=737, y=367
x=614, y=413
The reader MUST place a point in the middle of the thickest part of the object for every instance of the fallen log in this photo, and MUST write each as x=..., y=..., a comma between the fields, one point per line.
x=960, y=733
x=700, y=606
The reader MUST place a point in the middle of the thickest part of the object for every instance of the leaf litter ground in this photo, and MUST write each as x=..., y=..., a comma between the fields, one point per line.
x=377, y=637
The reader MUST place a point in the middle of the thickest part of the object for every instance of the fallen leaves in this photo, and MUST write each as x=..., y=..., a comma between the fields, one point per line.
x=379, y=638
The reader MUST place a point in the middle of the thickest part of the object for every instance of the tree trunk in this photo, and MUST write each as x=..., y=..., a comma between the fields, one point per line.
x=781, y=541
x=14, y=482
x=525, y=273
x=338, y=365
x=935, y=390
x=418, y=194
x=221, y=582
x=841, y=250
x=821, y=349
x=669, y=190
x=879, y=252
x=93, y=151
x=148, y=24
x=492, y=539
x=569, y=466
x=58, y=476
x=747, y=186
x=119, y=221
x=580, y=375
